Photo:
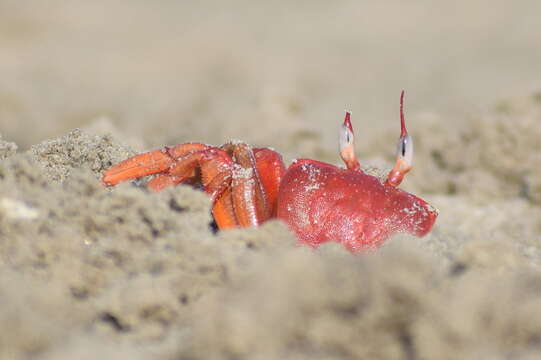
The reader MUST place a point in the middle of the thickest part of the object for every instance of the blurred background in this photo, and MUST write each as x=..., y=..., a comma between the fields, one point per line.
x=269, y=73
x=280, y=74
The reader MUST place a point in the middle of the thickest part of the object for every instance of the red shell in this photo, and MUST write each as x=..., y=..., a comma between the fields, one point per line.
x=321, y=202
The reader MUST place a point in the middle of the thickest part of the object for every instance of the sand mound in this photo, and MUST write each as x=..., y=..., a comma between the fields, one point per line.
x=126, y=273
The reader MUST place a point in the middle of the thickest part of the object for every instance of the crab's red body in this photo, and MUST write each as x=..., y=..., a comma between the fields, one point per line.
x=320, y=202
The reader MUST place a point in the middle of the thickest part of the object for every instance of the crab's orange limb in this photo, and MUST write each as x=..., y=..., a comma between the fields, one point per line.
x=271, y=170
x=163, y=181
x=223, y=211
x=149, y=163
x=216, y=169
x=246, y=196
x=249, y=200
x=182, y=150
x=243, y=183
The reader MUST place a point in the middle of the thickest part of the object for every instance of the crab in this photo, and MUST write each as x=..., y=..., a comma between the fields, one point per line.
x=319, y=202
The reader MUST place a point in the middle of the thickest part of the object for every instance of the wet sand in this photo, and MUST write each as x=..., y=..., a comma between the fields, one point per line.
x=88, y=272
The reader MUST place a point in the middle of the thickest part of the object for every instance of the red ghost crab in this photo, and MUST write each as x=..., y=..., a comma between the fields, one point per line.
x=319, y=202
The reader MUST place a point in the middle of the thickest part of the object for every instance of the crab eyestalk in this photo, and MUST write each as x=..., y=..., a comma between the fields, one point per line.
x=347, y=144
x=404, y=151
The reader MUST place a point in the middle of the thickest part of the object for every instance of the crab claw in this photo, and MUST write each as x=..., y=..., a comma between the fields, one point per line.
x=149, y=163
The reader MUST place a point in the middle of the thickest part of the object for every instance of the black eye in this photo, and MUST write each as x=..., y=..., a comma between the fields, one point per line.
x=405, y=148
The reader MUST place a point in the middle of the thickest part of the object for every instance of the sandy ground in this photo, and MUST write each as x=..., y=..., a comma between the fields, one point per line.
x=88, y=272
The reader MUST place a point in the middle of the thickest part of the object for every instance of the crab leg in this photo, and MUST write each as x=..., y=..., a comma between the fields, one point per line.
x=163, y=181
x=214, y=163
x=235, y=187
x=271, y=170
x=404, y=151
x=249, y=201
x=229, y=175
x=216, y=169
x=177, y=173
x=149, y=163
x=224, y=212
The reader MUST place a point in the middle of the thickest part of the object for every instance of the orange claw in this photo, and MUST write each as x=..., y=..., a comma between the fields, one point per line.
x=149, y=163
x=163, y=181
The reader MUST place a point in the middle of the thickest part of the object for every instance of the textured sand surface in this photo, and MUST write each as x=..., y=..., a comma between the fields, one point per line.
x=88, y=272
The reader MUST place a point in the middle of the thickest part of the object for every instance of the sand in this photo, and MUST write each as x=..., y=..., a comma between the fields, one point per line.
x=88, y=272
